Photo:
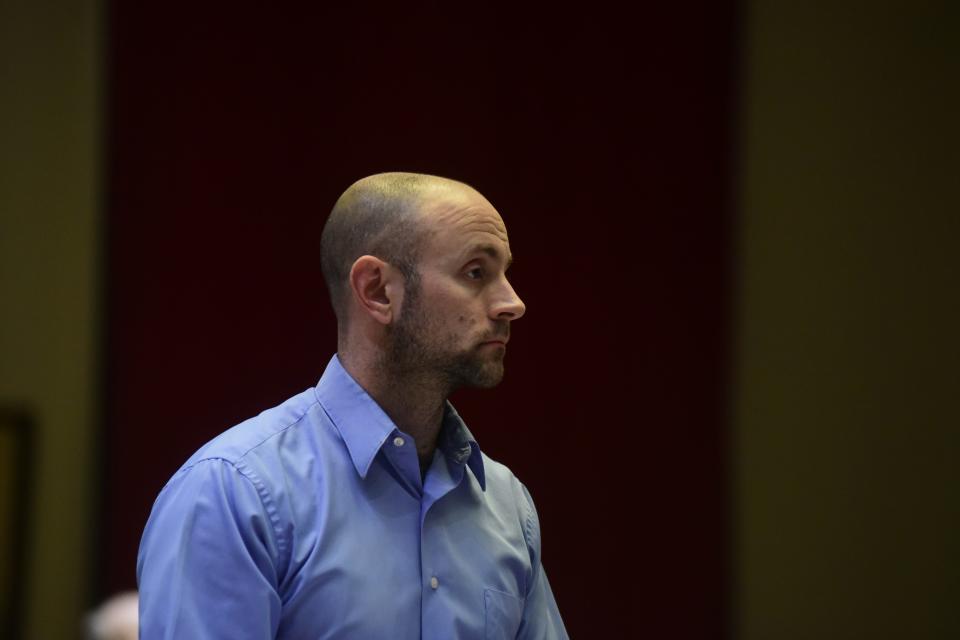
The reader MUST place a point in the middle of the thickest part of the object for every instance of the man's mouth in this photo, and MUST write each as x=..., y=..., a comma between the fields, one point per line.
x=499, y=337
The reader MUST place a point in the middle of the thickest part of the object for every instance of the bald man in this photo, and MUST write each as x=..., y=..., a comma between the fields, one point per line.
x=363, y=508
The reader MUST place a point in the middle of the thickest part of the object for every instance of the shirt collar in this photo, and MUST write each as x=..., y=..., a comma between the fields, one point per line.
x=459, y=445
x=365, y=427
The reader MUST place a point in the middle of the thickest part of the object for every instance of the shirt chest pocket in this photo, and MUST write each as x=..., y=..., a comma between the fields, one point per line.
x=502, y=614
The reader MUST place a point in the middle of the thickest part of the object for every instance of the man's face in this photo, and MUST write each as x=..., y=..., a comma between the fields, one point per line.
x=455, y=318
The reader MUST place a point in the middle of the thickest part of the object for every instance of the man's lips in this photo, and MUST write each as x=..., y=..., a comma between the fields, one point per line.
x=495, y=341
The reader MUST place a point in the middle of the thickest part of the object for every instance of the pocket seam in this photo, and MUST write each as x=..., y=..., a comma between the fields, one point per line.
x=489, y=595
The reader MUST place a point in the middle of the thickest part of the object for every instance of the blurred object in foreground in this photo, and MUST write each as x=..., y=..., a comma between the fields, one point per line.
x=115, y=619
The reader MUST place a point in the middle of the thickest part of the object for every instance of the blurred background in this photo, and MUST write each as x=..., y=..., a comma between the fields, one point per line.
x=735, y=393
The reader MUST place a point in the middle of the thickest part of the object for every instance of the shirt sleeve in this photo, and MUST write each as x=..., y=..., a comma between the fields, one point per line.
x=208, y=557
x=541, y=618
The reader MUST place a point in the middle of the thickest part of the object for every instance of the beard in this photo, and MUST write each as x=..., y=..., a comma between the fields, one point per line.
x=420, y=349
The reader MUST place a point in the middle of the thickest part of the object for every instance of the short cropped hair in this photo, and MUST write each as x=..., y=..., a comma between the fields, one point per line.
x=378, y=216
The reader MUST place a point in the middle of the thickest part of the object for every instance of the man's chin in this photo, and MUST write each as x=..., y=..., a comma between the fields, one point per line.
x=489, y=375
x=476, y=373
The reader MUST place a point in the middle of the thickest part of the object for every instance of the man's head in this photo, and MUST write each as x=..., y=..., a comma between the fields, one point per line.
x=416, y=268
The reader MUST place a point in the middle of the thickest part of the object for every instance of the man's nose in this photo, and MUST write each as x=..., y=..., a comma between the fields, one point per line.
x=509, y=306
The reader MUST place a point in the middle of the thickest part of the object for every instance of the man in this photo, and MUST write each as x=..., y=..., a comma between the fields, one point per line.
x=363, y=508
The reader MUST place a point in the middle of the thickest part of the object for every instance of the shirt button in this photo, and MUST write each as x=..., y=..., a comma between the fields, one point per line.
x=434, y=583
x=398, y=441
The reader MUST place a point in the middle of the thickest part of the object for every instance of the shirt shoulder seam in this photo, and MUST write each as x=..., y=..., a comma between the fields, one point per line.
x=266, y=499
x=269, y=505
x=292, y=424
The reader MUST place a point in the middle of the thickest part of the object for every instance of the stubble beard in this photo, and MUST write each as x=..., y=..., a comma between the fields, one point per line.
x=420, y=350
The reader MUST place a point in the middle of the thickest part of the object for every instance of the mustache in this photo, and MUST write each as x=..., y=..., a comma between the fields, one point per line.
x=500, y=331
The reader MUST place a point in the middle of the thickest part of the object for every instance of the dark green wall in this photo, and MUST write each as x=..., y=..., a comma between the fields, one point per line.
x=848, y=427
x=49, y=141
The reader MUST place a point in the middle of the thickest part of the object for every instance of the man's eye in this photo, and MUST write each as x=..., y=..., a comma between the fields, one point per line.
x=475, y=274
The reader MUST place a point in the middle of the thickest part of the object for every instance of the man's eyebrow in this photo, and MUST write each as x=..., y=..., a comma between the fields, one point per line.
x=490, y=250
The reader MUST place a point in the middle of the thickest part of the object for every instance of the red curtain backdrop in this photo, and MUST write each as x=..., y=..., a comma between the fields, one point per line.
x=604, y=139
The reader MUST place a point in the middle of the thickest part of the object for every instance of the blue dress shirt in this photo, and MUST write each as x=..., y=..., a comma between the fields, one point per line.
x=310, y=521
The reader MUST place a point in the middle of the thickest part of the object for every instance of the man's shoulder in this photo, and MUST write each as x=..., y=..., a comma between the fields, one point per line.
x=260, y=433
x=501, y=480
x=507, y=493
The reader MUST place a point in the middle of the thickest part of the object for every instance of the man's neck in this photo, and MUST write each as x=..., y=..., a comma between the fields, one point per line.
x=412, y=402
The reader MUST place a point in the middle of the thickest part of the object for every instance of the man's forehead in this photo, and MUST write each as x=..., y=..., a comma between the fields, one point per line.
x=458, y=220
x=461, y=208
x=496, y=252
x=471, y=228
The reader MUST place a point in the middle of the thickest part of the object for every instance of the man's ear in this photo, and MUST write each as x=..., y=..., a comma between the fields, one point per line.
x=372, y=283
